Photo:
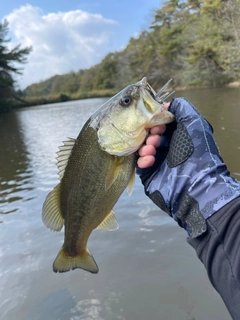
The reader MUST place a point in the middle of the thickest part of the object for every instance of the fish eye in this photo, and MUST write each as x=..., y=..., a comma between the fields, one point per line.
x=126, y=101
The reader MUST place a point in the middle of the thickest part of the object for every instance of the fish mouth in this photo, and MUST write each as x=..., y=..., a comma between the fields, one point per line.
x=153, y=109
x=152, y=106
x=159, y=96
x=148, y=95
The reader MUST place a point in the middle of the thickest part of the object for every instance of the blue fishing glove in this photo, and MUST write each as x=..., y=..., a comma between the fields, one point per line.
x=189, y=179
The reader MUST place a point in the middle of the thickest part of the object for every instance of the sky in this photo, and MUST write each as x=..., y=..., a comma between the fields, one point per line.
x=72, y=34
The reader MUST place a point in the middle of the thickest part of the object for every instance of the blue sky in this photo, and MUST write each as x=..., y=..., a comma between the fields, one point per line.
x=72, y=35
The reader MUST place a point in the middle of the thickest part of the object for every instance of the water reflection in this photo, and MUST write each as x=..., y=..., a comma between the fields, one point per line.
x=15, y=176
x=52, y=308
x=95, y=307
x=29, y=140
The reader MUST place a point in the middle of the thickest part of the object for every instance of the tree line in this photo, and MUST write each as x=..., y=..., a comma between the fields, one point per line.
x=195, y=42
x=8, y=59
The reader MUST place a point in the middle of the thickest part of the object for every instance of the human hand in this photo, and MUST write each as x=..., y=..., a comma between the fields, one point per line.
x=182, y=170
x=148, y=151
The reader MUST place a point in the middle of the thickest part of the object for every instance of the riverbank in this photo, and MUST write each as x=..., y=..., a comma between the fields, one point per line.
x=235, y=84
x=62, y=97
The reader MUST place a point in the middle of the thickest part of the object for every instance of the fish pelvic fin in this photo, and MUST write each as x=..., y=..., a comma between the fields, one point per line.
x=109, y=223
x=113, y=171
x=51, y=211
x=65, y=262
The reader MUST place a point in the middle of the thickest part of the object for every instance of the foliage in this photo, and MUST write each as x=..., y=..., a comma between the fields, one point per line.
x=195, y=42
x=8, y=58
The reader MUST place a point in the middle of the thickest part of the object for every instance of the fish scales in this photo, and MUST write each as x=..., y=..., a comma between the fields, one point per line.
x=89, y=199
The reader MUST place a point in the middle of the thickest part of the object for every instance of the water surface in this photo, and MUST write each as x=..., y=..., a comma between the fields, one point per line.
x=147, y=270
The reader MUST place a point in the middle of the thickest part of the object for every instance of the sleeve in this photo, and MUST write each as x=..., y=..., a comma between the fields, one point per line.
x=219, y=250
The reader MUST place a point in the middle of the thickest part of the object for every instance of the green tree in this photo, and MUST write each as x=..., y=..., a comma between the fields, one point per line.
x=195, y=42
x=171, y=28
x=106, y=72
x=8, y=58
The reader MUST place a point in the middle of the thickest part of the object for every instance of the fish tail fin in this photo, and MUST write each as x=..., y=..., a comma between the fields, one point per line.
x=65, y=262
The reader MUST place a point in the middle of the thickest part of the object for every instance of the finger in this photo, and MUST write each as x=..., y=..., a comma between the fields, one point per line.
x=146, y=150
x=166, y=105
x=153, y=140
x=145, y=162
x=158, y=129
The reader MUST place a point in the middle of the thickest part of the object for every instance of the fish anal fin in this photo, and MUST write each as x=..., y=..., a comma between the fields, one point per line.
x=51, y=211
x=109, y=223
x=113, y=172
x=130, y=185
x=65, y=262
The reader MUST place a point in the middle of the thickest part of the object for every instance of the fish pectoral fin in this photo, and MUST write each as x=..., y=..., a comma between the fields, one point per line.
x=51, y=211
x=65, y=262
x=130, y=185
x=113, y=171
x=109, y=223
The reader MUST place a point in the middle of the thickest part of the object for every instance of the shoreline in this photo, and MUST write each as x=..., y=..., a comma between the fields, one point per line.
x=36, y=101
x=234, y=84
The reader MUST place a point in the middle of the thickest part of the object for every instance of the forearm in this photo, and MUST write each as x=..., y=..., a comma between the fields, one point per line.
x=190, y=181
x=219, y=250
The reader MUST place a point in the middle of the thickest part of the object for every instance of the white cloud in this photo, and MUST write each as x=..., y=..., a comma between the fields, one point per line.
x=61, y=41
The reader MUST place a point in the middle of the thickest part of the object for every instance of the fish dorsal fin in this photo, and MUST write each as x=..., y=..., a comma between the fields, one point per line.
x=51, y=212
x=109, y=223
x=130, y=185
x=113, y=171
x=63, y=155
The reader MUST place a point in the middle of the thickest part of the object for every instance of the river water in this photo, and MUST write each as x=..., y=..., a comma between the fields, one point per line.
x=147, y=270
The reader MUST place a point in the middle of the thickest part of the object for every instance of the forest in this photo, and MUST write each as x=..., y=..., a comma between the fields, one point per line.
x=194, y=42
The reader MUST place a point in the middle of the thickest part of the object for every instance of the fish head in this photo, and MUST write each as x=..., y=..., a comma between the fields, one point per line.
x=126, y=121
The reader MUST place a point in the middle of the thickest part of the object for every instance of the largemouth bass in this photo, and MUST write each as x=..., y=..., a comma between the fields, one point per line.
x=96, y=167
